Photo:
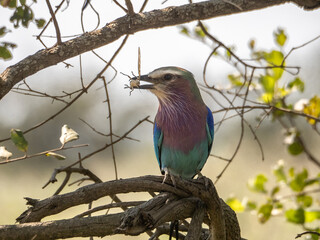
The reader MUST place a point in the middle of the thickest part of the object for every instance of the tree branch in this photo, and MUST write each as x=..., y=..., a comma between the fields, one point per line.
x=128, y=25
x=134, y=221
x=173, y=203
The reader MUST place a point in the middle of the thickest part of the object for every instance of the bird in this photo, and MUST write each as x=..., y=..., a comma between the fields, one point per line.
x=183, y=130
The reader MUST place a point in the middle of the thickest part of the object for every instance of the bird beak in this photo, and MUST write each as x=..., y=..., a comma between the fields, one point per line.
x=145, y=78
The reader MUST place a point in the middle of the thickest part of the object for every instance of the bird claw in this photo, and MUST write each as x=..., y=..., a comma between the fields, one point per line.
x=206, y=181
x=167, y=173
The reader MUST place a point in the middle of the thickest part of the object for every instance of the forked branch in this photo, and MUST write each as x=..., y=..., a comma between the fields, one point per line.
x=189, y=199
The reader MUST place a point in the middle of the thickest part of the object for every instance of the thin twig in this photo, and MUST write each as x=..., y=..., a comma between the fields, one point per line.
x=110, y=126
x=43, y=153
x=108, y=145
x=55, y=23
x=106, y=135
x=80, y=94
x=129, y=7
x=307, y=232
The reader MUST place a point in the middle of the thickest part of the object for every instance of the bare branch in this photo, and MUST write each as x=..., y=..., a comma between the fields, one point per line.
x=55, y=22
x=128, y=25
x=80, y=94
x=43, y=153
x=307, y=232
x=164, y=207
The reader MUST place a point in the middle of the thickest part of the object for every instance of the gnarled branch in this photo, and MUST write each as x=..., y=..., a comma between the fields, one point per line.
x=187, y=199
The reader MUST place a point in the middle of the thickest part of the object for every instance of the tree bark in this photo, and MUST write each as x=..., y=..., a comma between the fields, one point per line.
x=131, y=24
x=188, y=199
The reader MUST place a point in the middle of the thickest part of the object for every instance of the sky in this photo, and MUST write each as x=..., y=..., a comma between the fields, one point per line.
x=159, y=47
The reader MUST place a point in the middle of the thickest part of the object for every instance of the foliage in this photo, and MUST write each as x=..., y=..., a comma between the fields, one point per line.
x=291, y=195
x=22, y=15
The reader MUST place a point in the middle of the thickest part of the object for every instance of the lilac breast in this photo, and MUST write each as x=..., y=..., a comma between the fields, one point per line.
x=183, y=124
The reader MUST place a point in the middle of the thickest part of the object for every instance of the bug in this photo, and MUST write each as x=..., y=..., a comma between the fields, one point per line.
x=134, y=83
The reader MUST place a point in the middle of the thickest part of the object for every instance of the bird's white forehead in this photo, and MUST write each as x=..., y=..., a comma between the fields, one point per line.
x=158, y=73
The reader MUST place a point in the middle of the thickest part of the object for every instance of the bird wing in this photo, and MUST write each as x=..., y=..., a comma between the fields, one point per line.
x=157, y=141
x=210, y=130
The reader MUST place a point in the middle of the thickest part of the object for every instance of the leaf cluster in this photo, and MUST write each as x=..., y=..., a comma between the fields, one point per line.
x=270, y=83
x=292, y=196
x=22, y=15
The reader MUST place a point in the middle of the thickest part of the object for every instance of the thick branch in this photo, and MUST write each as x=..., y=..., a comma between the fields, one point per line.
x=89, y=193
x=174, y=203
x=134, y=221
x=76, y=227
x=128, y=25
x=180, y=204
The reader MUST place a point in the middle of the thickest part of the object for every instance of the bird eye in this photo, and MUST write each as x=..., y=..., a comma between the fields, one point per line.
x=167, y=77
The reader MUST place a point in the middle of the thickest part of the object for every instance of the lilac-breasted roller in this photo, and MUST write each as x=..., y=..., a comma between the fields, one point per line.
x=183, y=127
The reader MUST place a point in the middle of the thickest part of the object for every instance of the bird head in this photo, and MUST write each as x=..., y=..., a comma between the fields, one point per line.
x=169, y=83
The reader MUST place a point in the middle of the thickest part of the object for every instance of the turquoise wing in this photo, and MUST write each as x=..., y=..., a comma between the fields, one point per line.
x=157, y=142
x=210, y=130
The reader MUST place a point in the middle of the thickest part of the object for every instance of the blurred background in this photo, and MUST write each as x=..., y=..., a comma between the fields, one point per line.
x=159, y=47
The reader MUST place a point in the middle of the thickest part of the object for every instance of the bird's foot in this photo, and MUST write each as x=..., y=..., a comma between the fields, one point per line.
x=206, y=181
x=167, y=173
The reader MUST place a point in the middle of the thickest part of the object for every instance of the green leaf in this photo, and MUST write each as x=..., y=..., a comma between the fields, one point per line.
x=5, y=53
x=12, y=3
x=315, y=236
x=298, y=183
x=22, y=2
x=9, y=44
x=19, y=140
x=309, y=182
x=22, y=14
x=279, y=173
x=280, y=37
x=291, y=172
x=3, y=31
x=313, y=109
x=252, y=44
x=267, y=97
x=235, y=204
x=250, y=205
x=275, y=190
x=304, y=200
x=199, y=33
x=257, y=184
x=275, y=58
x=235, y=80
x=184, y=30
x=310, y=216
x=282, y=92
x=264, y=212
x=295, y=148
x=40, y=22
x=278, y=205
x=55, y=155
x=68, y=134
x=295, y=216
x=297, y=83
x=268, y=83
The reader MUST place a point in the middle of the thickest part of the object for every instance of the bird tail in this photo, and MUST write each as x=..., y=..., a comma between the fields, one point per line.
x=174, y=226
